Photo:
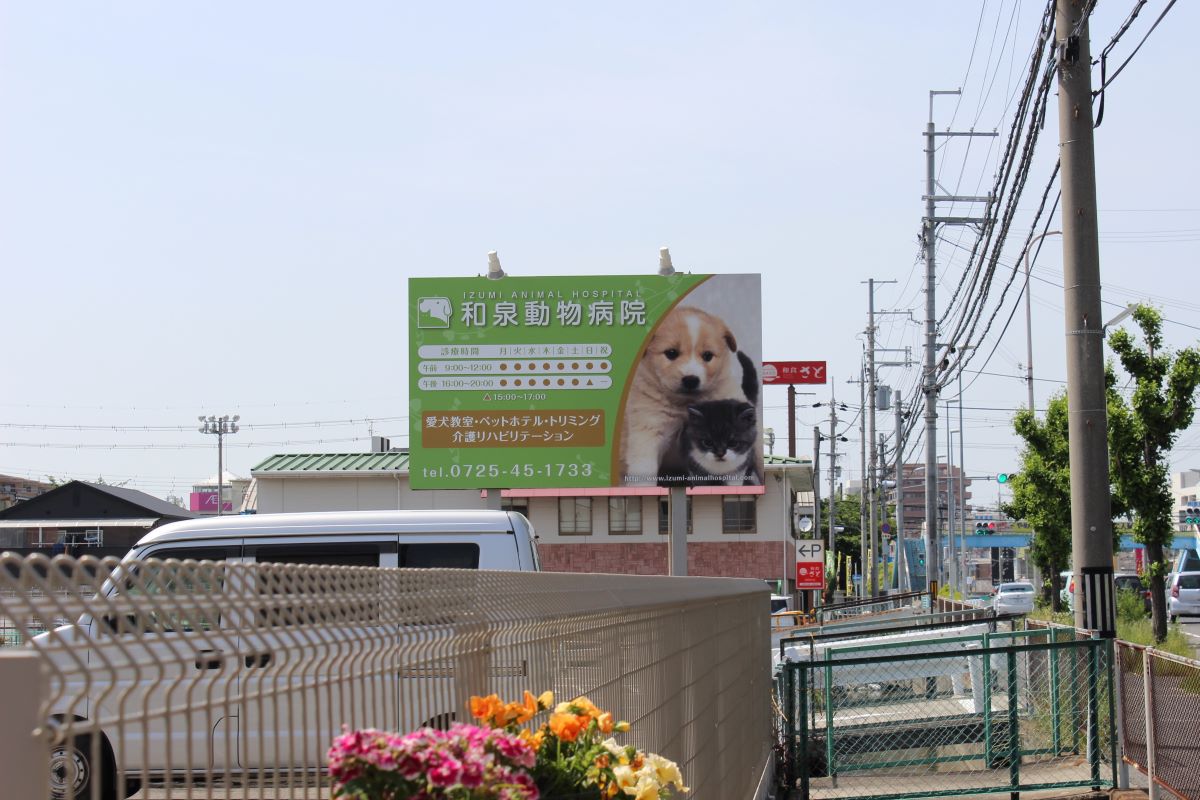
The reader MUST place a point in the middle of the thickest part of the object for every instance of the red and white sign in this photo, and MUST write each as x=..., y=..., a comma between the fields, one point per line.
x=793, y=372
x=810, y=575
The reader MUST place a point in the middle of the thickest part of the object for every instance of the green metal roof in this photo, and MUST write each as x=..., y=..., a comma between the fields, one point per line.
x=774, y=459
x=390, y=462
x=334, y=462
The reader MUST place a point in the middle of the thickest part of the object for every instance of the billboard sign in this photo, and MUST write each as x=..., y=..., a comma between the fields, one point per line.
x=207, y=502
x=793, y=372
x=810, y=574
x=574, y=382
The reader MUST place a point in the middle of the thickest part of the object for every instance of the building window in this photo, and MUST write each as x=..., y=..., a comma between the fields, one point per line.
x=517, y=504
x=664, y=515
x=575, y=515
x=738, y=513
x=624, y=515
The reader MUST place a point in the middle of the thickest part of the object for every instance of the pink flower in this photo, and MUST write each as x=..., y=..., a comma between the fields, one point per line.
x=446, y=772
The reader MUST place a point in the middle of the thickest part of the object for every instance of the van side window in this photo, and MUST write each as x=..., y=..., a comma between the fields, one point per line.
x=193, y=595
x=440, y=555
x=331, y=555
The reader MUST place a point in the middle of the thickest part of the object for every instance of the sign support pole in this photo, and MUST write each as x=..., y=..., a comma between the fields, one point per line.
x=791, y=420
x=677, y=539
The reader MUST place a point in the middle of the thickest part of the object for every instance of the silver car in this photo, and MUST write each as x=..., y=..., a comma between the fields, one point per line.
x=1183, y=598
x=1013, y=598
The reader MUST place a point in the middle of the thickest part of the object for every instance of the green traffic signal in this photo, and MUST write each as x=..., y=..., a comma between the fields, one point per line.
x=1005, y=477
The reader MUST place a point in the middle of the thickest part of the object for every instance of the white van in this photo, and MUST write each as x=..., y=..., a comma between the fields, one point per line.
x=252, y=677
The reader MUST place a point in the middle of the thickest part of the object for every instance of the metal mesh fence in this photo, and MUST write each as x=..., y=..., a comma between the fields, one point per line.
x=201, y=679
x=958, y=714
x=1175, y=722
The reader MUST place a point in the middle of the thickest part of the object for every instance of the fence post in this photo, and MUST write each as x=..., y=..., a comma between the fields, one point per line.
x=24, y=755
x=1116, y=688
x=1014, y=731
x=1148, y=681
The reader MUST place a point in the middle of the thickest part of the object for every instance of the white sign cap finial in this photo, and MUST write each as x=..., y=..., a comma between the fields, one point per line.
x=665, y=267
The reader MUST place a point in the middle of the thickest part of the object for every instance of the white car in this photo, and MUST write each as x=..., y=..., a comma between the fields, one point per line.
x=1013, y=598
x=1183, y=595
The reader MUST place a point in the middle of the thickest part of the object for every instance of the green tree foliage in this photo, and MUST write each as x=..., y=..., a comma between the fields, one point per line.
x=1041, y=491
x=1042, y=488
x=1163, y=403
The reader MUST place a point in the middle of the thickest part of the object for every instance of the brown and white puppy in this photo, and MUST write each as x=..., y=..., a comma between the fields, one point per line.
x=692, y=357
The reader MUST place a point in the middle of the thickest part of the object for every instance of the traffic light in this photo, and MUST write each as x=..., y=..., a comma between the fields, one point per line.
x=1005, y=477
x=984, y=528
x=1190, y=514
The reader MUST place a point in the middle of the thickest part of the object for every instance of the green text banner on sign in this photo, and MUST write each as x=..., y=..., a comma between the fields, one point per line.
x=570, y=382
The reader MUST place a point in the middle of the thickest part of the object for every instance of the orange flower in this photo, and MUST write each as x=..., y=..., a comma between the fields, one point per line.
x=567, y=726
x=533, y=738
x=487, y=709
x=605, y=722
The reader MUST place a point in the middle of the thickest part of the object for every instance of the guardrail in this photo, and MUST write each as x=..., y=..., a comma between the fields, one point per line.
x=201, y=679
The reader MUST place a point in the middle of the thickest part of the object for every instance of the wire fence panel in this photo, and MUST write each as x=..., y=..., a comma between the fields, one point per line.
x=220, y=679
x=1016, y=711
x=1175, y=698
x=1131, y=671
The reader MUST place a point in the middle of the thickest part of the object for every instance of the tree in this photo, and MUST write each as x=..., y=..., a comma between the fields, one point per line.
x=1041, y=490
x=1042, y=487
x=1163, y=403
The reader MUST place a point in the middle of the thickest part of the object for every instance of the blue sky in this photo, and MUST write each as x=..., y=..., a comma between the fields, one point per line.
x=211, y=208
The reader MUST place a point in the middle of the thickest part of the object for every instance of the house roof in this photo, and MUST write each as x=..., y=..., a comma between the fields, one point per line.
x=81, y=500
x=146, y=501
x=392, y=461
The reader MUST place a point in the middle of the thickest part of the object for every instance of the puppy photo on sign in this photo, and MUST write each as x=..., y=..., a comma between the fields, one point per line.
x=692, y=411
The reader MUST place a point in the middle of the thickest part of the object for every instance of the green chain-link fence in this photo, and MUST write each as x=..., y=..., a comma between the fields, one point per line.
x=980, y=712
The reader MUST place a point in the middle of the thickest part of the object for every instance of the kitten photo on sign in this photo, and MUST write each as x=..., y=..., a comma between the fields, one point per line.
x=691, y=415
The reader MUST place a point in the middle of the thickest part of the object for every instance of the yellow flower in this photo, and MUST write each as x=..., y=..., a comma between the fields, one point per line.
x=544, y=700
x=605, y=722
x=624, y=777
x=666, y=771
x=621, y=727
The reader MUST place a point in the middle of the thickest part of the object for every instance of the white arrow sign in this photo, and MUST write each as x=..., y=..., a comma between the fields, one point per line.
x=810, y=551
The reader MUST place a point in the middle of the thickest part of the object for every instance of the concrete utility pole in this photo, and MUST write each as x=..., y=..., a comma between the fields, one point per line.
x=832, y=546
x=864, y=532
x=929, y=382
x=1087, y=426
x=901, y=572
x=871, y=478
x=816, y=491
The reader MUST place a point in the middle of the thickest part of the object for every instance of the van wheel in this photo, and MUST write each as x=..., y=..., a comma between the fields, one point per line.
x=73, y=771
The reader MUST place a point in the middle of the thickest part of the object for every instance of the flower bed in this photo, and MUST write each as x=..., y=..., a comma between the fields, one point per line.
x=573, y=755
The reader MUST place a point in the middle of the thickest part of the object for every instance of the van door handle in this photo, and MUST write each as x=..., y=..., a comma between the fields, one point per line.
x=258, y=660
x=209, y=659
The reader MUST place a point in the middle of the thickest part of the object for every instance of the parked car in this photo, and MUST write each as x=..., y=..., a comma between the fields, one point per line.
x=1132, y=582
x=1066, y=594
x=1183, y=595
x=1013, y=598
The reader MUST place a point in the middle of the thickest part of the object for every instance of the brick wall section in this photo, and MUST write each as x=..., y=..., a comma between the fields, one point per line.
x=714, y=559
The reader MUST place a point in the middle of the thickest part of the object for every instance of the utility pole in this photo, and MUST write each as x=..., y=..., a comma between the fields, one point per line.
x=929, y=383
x=871, y=481
x=832, y=546
x=1087, y=426
x=864, y=533
x=901, y=572
x=816, y=484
